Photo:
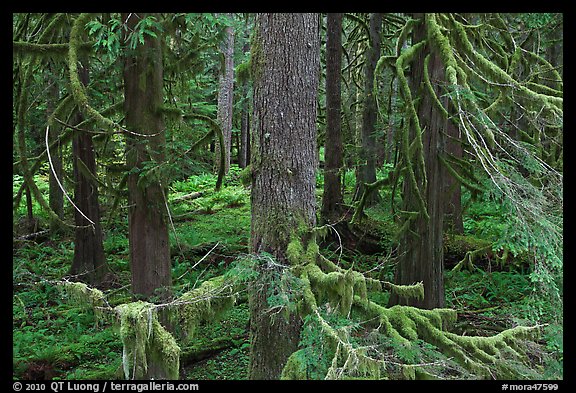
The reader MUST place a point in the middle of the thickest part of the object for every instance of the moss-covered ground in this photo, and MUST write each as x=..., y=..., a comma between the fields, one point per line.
x=54, y=338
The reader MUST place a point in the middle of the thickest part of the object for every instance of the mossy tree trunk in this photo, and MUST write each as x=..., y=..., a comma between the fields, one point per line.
x=225, y=94
x=89, y=263
x=56, y=196
x=285, y=70
x=148, y=230
x=421, y=245
x=368, y=153
x=332, y=197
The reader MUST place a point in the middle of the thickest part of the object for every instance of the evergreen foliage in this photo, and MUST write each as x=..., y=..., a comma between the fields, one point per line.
x=504, y=276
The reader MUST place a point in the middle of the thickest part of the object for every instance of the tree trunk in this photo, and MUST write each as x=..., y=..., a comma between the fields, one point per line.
x=225, y=95
x=332, y=197
x=55, y=196
x=89, y=263
x=148, y=231
x=452, y=188
x=421, y=247
x=285, y=70
x=368, y=153
x=244, y=145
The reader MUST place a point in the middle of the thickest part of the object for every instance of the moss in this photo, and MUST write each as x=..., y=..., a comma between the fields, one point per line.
x=243, y=72
x=295, y=251
x=165, y=351
x=204, y=304
x=295, y=367
x=401, y=62
x=78, y=91
x=441, y=43
x=430, y=88
x=147, y=345
x=551, y=103
x=83, y=294
x=408, y=291
x=246, y=176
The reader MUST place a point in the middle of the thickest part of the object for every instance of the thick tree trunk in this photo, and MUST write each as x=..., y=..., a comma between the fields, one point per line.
x=332, y=197
x=148, y=230
x=285, y=69
x=89, y=263
x=421, y=247
x=368, y=153
x=225, y=95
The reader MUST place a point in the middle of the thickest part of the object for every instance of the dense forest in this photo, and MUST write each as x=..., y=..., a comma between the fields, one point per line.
x=236, y=196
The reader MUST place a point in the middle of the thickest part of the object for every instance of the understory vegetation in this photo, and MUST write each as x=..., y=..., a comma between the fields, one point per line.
x=56, y=338
x=295, y=196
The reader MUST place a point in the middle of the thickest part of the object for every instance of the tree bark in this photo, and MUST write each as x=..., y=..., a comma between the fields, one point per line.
x=89, y=263
x=452, y=188
x=421, y=247
x=225, y=95
x=55, y=196
x=333, y=152
x=285, y=70
x=148, y=231
x=244, y=145
x=368, y=153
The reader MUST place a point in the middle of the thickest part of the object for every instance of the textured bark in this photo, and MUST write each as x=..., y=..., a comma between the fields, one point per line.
x=55, y=196
x=421, y=247
x=368, y=153
x=244, y=145
x=333, y=152
x=89, y=263
x=452, y=188
x=225, y=95
x=285, y=68
x=148, y=231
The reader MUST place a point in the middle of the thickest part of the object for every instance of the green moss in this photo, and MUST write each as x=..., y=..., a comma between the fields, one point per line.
x=246, y=176
x=147, y=345
x=204, y=304
x=83, y=294
x=408, y=291
x=295, y=251
x=295, y=367
x=78, y=91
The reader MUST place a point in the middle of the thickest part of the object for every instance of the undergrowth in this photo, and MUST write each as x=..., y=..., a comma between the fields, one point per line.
x=53, y=339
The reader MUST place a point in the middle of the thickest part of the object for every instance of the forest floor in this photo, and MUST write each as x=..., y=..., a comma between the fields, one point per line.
x=54, y=339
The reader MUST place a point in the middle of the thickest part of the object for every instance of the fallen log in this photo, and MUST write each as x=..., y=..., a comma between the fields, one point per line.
x=192, y=195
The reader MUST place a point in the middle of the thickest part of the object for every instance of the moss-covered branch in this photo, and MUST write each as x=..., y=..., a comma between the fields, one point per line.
x=413, y=121
x=77, y=88
x=31, y=48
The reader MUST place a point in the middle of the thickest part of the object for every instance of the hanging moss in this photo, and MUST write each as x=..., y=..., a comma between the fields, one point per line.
x=554, y=104
x=430, y=89
x=415, y=291
x=78, y=91
x=146, y=343
x=82, y=294
x=204, y=304
x=403, y=60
